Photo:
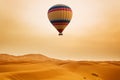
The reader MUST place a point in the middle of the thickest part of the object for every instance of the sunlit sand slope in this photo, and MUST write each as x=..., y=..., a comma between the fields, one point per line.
x=44, y=68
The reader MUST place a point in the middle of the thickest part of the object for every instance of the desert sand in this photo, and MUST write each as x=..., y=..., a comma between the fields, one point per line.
x=40, y=67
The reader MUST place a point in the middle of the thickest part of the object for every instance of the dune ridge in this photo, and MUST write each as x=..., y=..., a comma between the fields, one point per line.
x=40, y=67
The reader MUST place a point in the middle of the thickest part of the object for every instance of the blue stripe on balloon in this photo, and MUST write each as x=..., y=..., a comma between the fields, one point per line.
x=59, y=7
x=53, y=21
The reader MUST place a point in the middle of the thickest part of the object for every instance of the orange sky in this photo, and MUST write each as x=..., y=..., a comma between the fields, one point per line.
x=93, y=34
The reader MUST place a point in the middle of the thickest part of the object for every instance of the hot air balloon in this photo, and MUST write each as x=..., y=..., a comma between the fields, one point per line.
x=60, y=16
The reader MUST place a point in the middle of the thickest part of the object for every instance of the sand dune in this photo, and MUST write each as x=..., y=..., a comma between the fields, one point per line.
x=39, y=67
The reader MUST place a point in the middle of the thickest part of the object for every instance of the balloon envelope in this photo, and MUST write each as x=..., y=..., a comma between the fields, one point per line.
x=60, y=16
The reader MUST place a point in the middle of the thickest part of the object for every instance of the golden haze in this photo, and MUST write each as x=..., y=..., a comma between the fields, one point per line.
x=93, y=34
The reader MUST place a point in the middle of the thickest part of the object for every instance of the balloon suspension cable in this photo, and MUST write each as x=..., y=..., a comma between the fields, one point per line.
x=60, y=34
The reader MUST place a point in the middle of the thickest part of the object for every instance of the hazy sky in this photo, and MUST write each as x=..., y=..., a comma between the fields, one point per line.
x=93, y=34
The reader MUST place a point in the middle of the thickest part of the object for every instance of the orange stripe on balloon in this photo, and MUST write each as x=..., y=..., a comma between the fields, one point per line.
x=58, y=9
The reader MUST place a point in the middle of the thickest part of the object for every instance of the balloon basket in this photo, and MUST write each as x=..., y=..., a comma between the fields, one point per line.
x=60, y=34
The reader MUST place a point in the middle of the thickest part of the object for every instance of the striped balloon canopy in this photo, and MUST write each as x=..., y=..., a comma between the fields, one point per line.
x=60, y=16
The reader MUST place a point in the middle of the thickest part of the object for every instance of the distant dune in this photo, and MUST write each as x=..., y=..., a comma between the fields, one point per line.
x=40, y=67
